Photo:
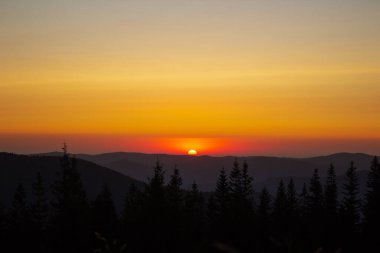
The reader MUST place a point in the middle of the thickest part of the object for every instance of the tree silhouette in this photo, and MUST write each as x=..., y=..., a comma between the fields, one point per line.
x=350, y=205
x=331, y=208
x=280, y=214
x=292, y=200
x=175, y=207
x=236, y=186
x=240, y=213
x=19, y=223
x=194, y=219
x=247, y=186
x=175, y=194
x=372, y=204
x=219, y=208
x=156, y=212
x=314, y=210
x=132, y=219
x=39, y=213
x=104, y=217
x=71, y=209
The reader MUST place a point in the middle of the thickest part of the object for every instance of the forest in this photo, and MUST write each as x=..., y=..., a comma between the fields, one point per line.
x=163, y=217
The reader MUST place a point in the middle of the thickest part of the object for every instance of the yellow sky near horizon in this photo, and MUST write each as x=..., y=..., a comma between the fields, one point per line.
x=297, y=69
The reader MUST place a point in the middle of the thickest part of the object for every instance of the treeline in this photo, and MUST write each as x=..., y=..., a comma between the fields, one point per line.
x=162, y=217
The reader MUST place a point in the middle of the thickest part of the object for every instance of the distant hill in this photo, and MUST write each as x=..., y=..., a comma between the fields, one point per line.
x=204, y=169
x=15, y=169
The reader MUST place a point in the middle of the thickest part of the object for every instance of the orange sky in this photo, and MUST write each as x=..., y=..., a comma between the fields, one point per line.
x=223, y=77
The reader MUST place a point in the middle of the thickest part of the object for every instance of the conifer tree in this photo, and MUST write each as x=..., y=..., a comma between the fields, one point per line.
x=222, y=196
x=20, y=211
x=331, y=228
x=264, y=207
x=292, y=201
x=219, y=206
x=372, y=204
x=314, y=211
x=315, y=196
x=39, y=208
x=303, y=200
x=19, y=223
x=39, y=214
x=132, y=219
x=104, y=217
x=247, y=187
x=70, y=223
x=157, y=217
x=351, y=202
x=175, y=194
x=331, y=195
x=194, y=219
x=280, y=210
x=236, y=182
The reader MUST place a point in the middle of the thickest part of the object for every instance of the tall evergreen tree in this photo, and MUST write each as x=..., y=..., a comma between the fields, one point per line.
x=303, y=201
x=70, y=223
x=39, y=213
x=175, y=223
x=292, y=201
x=315, y=196
x=314, y=211
x=331, y=209
x=222, y=196
x=351, y=202
x=264, y=223
x=19, y=223
x=372, y=204
x=194, y=219
x=104, y=217
x=157, y=216
x=219, y=208
x=175, y=193
x=264, y=208
x=247, y=185
x=39, y=207
x=132, y=219
x=236, y=182
x=331, y=195
x=280, y=211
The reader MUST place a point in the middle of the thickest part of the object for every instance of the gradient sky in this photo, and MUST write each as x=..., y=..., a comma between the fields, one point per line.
x=239, y=77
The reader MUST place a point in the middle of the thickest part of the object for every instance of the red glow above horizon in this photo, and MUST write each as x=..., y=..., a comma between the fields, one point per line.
x=214, y=146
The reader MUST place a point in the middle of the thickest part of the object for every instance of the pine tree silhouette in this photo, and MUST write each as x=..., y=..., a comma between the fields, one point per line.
x=194, y=219
x=219, y=208
x=156, y=219
x=133, y=218
x=39, y=213
x=19, y=223
x=372, y=204
x=70, y=223
x=331, y=209
x=104, y=217
x=280, y=214
x=314, y=211
x=175, y=211
x=350, y=209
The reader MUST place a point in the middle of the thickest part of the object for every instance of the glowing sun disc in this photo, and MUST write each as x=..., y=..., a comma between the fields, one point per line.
x=192, y=152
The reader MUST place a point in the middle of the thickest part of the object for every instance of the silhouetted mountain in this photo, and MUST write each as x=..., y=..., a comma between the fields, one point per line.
x=204, y=169
x=16, y=169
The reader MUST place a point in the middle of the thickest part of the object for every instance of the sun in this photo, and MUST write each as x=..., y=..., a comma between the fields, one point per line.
x=192, y=152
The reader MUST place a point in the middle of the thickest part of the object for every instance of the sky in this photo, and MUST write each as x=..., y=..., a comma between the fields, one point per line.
x=239, y=77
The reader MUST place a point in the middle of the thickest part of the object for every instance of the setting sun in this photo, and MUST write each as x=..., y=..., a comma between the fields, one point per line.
x=192, y=152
